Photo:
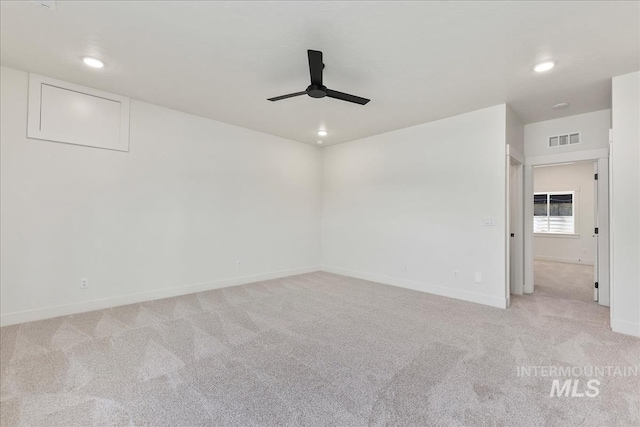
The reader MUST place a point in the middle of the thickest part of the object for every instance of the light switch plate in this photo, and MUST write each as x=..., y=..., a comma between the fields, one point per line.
x=488, y=221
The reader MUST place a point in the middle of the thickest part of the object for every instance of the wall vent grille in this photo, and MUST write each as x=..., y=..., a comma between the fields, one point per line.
x=566, y=139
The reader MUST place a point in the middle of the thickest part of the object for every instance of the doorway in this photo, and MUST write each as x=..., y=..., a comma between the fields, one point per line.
x=564, y=226
x=567, y=230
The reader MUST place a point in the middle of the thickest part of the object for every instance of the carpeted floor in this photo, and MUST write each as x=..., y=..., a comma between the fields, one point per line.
x=566, y=281
x=317, y=349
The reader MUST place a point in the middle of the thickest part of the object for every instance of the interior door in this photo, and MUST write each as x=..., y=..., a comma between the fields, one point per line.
x=601, y=233
x=602, y=222
x=596, y=287
x=516, y=227
x=512, y=228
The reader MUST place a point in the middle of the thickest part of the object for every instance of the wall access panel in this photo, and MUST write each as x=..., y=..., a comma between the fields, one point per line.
x=73, y=114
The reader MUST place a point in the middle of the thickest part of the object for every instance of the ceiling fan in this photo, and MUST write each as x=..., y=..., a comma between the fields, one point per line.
x=316, y=89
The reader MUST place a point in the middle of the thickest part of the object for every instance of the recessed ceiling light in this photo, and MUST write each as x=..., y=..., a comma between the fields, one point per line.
x=322, y=132
x=319, y=142
x=560, y=105
x=92, y=62
x=544, y=66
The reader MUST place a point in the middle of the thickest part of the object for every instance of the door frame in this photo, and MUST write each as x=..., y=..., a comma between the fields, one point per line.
x=601, y=157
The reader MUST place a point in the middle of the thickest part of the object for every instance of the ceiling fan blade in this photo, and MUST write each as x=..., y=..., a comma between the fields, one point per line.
x=315, y=66
x=346, y=97
x=291, y=95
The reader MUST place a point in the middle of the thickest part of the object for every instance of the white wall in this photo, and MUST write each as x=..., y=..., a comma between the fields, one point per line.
x=417, y=197
x=625, y=200
x=578, y=177
x=172, y=216
x=593, y=127
x=514, y=131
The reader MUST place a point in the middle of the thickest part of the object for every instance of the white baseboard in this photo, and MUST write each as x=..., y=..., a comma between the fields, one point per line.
x=625, y=327
x=81, y=307
x=422, y=287
x=565, y=260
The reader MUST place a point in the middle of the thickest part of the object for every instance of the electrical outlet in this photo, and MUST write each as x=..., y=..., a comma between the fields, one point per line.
x=84, y=283
x=456, y=274
x=478, y=277
x=239, y=264
x=488, y=221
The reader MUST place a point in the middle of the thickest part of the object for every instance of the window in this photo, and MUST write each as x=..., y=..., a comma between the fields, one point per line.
x=554, y=212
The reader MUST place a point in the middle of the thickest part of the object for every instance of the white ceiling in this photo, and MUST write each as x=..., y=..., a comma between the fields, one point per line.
x=416, y=61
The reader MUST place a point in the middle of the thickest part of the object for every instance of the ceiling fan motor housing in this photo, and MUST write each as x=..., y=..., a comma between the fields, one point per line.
x=317, y=91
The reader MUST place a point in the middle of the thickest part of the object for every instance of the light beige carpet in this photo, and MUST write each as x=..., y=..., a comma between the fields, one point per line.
x=315, y=349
